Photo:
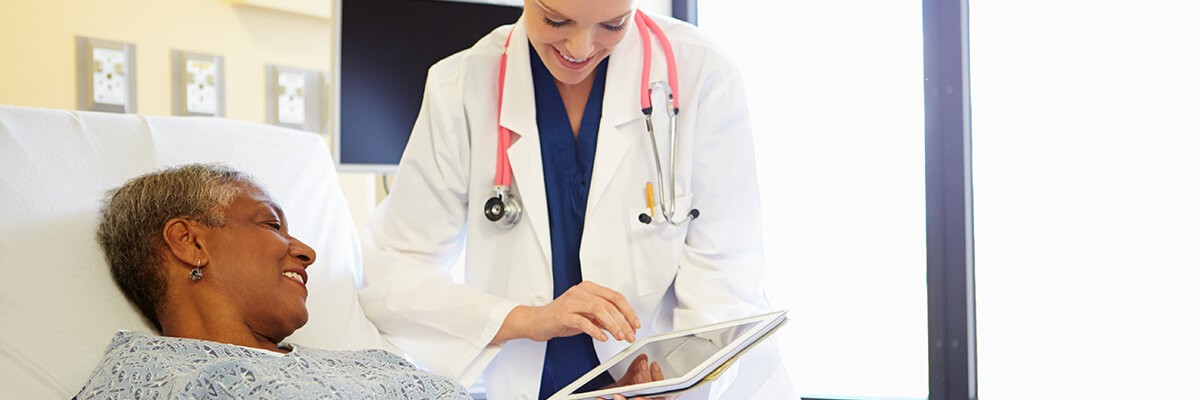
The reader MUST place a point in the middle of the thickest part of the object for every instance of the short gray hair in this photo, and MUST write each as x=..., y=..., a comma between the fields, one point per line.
x=133, y=217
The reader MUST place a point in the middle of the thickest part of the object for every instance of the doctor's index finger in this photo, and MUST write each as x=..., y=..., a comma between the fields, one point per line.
x=617, y=299
x=607, y=315
x=586, y=326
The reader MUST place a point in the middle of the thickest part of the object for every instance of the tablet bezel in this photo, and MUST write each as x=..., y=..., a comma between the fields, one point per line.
x=765, y=323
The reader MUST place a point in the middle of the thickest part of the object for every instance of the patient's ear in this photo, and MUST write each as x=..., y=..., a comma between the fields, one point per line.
x=185, y=241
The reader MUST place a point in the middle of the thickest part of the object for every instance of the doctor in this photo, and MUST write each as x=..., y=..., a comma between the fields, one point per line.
x=532, y=152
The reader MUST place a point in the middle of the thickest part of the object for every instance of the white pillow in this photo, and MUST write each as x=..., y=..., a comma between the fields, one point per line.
x=58, y=305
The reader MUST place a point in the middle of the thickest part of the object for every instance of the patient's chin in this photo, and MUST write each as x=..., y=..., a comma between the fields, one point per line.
x=298, y=322
x=277, y=329
x=302, y=321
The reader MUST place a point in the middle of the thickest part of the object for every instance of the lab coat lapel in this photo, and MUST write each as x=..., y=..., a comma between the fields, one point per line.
x=618, y=127
x=525, y=154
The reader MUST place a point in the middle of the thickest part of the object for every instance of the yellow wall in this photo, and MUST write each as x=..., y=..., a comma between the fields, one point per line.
x=37, y=53
x=37, y=46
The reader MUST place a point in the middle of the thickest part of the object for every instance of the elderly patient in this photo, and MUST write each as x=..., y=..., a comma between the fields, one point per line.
x=205, y=254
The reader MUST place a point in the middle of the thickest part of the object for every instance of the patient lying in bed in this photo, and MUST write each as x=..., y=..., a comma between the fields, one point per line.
x=205, y=254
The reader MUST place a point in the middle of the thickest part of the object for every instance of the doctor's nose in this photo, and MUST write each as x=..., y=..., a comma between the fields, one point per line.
x=580, y=45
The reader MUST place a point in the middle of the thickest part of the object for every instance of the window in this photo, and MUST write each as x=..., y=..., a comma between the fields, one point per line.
x=1087, y=197
x=837, y=103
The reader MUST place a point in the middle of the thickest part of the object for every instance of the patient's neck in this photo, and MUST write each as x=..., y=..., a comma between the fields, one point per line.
x=193, y=320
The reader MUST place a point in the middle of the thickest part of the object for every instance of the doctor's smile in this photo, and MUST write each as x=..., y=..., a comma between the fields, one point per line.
x=573, y=36
x=572, y=63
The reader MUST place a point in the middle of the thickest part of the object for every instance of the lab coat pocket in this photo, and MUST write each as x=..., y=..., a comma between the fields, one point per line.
x=656, y=248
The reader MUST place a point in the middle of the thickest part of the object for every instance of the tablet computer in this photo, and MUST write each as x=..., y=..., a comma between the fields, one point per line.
x=686, y=358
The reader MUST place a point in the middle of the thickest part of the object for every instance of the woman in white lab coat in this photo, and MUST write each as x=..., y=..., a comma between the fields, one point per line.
x=580, y=274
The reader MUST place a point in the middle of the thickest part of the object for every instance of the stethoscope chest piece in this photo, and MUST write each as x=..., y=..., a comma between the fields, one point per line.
x=503, y=209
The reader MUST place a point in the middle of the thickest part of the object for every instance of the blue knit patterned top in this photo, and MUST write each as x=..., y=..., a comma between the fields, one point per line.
x=139, y=366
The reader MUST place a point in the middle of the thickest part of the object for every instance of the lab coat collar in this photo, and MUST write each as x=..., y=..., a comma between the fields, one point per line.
x=519, y=115
x=621, y=122
x=621, y=91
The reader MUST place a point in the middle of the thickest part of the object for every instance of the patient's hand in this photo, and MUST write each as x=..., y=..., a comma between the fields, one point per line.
x=642, y=370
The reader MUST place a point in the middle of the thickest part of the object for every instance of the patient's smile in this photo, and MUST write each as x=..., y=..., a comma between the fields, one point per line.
x=296, y=276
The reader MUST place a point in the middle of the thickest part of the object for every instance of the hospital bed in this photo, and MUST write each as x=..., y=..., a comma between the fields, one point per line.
x=58, y=305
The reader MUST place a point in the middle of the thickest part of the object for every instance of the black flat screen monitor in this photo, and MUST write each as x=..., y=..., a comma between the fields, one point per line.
x=384, y=49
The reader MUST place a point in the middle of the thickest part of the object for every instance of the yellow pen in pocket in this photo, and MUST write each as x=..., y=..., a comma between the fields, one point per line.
x=650, y=198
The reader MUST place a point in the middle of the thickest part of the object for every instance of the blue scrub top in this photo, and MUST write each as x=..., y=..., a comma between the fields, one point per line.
x=567, y=166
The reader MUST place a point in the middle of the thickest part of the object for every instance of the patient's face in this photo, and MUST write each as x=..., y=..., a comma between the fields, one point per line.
x=259, y=267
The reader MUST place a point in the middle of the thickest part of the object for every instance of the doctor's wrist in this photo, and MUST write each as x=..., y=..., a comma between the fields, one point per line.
x=515, y=325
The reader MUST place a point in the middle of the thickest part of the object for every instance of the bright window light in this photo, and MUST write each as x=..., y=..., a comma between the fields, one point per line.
x=1087, y=198
x=837, y=103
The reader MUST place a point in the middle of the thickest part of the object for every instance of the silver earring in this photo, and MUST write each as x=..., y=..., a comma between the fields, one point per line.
x=195, y=275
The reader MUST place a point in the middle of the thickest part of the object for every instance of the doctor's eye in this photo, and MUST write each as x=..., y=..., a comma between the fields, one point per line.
x=556, y=24
x=275, y=225
x=613, y=27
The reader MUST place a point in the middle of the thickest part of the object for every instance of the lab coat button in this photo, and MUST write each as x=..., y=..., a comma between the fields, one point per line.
x=539, y=301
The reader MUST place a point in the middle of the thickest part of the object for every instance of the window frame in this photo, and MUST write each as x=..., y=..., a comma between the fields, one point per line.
x=949, y=210
x=949, y=218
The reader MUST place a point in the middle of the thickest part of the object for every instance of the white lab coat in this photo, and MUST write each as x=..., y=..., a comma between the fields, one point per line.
x=706, y=271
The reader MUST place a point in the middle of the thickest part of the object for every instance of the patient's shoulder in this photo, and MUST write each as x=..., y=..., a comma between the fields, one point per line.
x=138, y=365
x=143, y=366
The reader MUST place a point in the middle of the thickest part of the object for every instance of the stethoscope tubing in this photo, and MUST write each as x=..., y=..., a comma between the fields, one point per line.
x=505, y=208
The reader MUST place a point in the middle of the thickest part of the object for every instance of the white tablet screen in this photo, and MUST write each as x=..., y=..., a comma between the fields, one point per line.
x=676, y=356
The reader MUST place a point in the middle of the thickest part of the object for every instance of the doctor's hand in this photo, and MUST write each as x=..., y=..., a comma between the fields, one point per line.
x=584, y=308
x=642, y=370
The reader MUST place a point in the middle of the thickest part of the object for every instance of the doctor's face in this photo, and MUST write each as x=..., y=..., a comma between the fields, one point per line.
x=573, y=36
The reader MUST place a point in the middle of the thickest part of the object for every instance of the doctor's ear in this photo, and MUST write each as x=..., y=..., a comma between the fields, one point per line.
x=185, y=240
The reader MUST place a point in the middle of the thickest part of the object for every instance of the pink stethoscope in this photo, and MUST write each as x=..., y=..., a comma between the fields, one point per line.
x=505, y=209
